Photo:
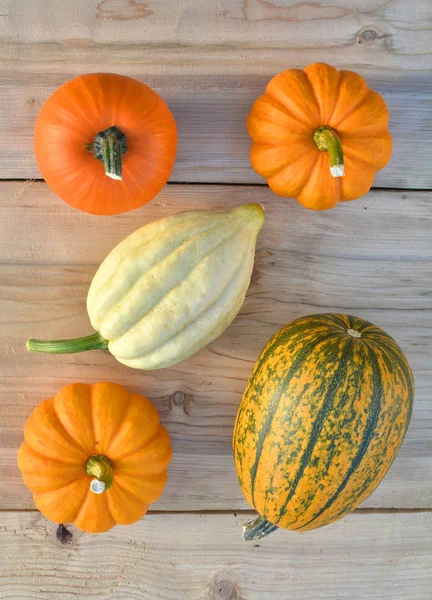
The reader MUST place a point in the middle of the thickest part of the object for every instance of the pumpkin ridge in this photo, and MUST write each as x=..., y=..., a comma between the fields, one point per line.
x=299, y=159
x=266, y=427
x=369, y=429
x=331, y=103
x=364, y=161
x=57, y=488
x=121, y=457
x=340, y=375
x=29, y=472
x=129, y=493
x=285, y=110
x=198, y=315
x=377, y=126
x=65, y=434
x=37, y=495
x=157, y=264
x=329, y=120
x=312, y=89
x=348, y=113
x=92, y=421
x=320, y=168
x=118, y=431
x=83, y=507
x=305, y=179
x=72, y=437
x=124, y=406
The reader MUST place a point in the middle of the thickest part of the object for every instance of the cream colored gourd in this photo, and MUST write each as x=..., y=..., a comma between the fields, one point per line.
x=170, y=287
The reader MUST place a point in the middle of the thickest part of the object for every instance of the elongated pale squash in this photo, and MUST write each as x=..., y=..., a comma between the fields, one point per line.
x=170, y=288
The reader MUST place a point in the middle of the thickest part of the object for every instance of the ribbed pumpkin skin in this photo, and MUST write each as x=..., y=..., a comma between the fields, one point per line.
x=282, y=123
x=321, y=420
x=174, y=285
x=85, y=420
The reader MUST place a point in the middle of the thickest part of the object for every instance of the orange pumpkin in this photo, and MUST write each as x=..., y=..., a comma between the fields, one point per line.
x=95, y=455
x=319, y=135
x=105, y=143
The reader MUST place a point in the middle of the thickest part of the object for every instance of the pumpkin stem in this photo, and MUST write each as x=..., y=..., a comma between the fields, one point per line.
x=90, y=342
x=327, y=140
x=100, y=467
x=257, y=529
x=108, y=146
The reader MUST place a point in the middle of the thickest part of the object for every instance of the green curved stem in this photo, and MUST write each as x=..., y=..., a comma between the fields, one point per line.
x=90, y=342
x=327, y=140
x=257, y=529
x=101, y=468
x=108, y=146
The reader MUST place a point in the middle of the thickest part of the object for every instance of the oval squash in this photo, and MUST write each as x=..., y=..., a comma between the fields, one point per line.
x=95, y=455
x=170, y=288
x=321, y=420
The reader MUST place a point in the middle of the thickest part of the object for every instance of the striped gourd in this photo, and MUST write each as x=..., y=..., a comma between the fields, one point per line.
x=321, y=420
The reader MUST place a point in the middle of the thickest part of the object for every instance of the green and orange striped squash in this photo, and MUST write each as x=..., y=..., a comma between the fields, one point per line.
x=321, y=420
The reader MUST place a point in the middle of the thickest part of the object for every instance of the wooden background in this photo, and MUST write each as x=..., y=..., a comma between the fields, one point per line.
x=372, y=258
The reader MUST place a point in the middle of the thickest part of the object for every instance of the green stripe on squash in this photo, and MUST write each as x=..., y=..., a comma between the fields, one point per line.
x=321, y=420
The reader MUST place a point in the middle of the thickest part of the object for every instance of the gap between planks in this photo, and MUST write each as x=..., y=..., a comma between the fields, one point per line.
x=258, y=184
x=246, y=512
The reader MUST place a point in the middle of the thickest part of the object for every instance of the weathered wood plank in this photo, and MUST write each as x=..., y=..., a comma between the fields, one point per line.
x=192, y=557
x=400, y=29
x=372, y=258
x=210, y=60
x=210, y=110
x=37, y=227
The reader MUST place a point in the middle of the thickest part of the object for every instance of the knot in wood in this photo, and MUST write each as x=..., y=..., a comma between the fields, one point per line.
x=371, y=37
x=63, y=535
x=224, y=589
x=179, y=397
x=368, y=35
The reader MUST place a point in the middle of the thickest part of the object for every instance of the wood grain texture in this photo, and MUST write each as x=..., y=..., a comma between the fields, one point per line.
x=371, y=258
x=210, y=61
x=203, y=557
x=402, y=29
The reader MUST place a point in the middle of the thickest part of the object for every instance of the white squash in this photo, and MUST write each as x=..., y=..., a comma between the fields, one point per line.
x=170, y=288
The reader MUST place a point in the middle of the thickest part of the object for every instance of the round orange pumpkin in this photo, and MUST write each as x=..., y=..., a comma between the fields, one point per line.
x=319, y=135
x=105, y=143
x=95, y=455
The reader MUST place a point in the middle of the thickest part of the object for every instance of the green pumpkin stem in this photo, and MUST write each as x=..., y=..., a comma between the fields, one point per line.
x=257, y=529
x=327, y=140
x=108, y=146
x=90, y=342
x=100, y=467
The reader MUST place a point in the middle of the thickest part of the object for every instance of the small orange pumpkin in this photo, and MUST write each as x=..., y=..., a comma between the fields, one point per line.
x=95, y=455
x=105, y=143
x=319, y=135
